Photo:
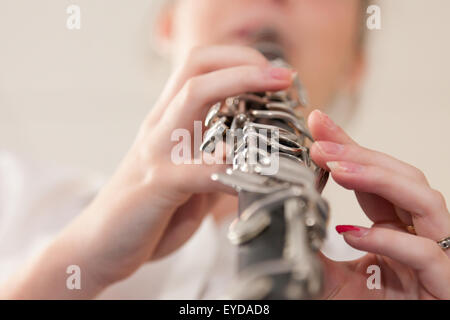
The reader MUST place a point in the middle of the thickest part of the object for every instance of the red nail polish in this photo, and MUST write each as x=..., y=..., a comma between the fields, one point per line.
x=352, y=230
x=345, y=228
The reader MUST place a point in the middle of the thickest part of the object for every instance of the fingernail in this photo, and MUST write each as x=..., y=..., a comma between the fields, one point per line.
x=327, y=121
x=347, y=167
x=280, y=74
x=329, y=147
x=352, y=230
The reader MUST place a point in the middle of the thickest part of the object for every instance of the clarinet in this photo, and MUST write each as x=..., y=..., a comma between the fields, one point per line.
x=282, y=217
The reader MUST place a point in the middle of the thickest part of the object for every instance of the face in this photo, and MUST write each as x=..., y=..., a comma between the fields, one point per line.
x=320, y=38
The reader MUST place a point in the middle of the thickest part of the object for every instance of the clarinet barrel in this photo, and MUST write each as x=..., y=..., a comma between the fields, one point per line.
x=282, y=217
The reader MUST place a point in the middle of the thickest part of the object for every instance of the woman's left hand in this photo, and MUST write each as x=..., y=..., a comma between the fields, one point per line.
x=397, y=198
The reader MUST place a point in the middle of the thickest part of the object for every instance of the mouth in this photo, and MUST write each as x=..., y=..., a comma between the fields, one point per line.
x=266, y=39
x=271, y=50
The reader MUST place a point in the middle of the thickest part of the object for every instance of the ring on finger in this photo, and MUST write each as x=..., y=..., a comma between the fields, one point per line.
x=411, y=230
x=444, y=243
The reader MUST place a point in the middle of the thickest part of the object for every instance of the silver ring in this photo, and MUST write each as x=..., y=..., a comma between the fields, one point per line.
x=444, y=243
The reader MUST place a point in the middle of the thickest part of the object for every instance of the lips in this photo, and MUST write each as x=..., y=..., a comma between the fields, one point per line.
x=261, y=29
x=271, y=50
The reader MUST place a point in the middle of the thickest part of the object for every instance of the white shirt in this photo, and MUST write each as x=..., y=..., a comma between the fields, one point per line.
x=36, y=202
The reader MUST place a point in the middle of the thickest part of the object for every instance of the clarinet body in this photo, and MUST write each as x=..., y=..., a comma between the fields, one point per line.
x=282, y=217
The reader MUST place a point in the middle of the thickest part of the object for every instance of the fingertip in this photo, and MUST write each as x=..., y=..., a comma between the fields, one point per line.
x=347, y=181
x=313, y=150
x=355, y=231
x=316, y=155
x=283, y=74
x=313, y=118
x=314, y=123
x=322, y=127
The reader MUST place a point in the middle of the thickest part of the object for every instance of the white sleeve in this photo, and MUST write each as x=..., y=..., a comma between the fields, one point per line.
x=36, y=202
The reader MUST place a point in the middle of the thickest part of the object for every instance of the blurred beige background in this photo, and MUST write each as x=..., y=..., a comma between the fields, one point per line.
x=76, y=98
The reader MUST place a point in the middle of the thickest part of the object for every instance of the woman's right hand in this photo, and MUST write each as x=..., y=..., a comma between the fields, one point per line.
x=166, y=202
x=151, y=206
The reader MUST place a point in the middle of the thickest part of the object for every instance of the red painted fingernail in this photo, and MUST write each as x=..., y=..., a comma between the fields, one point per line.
x=345, y=228
x=280, y=73
x=352, y=230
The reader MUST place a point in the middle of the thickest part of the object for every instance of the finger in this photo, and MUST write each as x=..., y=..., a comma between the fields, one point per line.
x=194, y=175
x=202, y=60
x=323, y=128
x=193, y=101
x=427, y=206
x=183, y=224
x=194, y=179
x=375, y=207
x=325, y=151
x=378, y=209
x=421, y=254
